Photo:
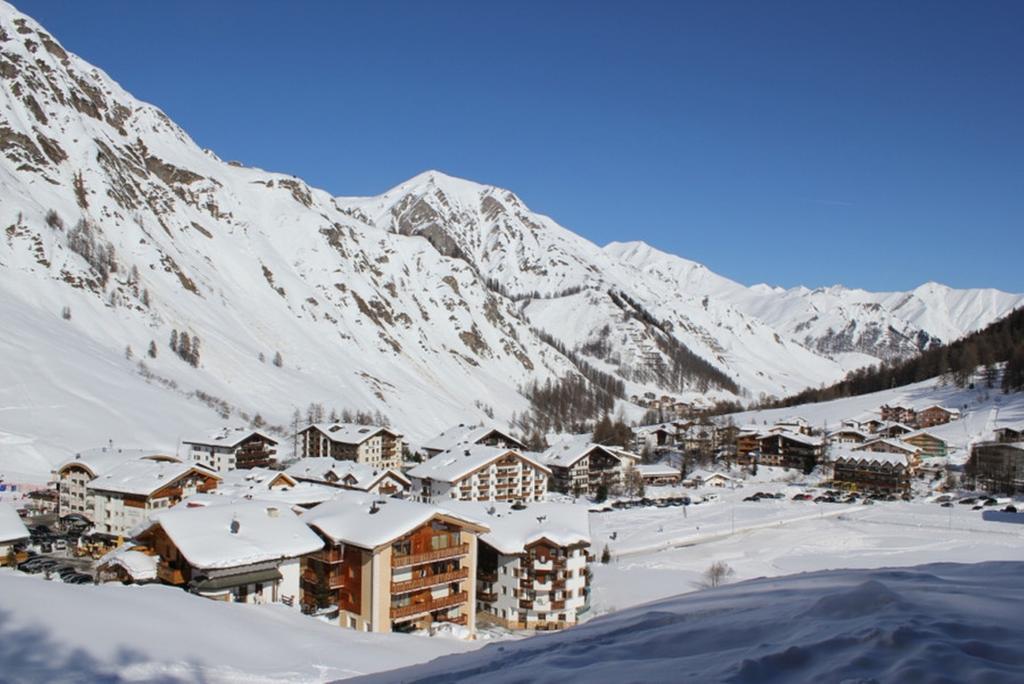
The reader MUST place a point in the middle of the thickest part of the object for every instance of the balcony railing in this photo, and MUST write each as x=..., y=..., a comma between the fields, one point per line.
x=487, y=576
x=429, y=556
x=334, y=579
x=488, y=596
x=429, y=606
x=429, y=581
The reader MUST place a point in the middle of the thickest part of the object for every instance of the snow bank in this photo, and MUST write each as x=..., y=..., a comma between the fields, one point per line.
x=57, y=632
x=943, y=621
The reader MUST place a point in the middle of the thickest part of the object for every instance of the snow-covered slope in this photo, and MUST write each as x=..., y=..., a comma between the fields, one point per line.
x=54, y=632
x=941, y=622
x=424, y=303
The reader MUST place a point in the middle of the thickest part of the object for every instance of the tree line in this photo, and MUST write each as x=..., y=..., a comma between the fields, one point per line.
x=999, y=344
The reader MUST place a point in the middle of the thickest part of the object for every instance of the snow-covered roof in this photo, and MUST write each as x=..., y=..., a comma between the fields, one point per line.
x=370, y=520
x=512, y=530
x=12, y=528
x=922, y=433
x=894, y=443
x=235, y=534
x=800, y=437
x=670, y=428
x=467, y=434
x=102, y=459
x=350, y=433
x=705, y=475
x=265, y=484
x=347, y=473
x=139, y=566
x=657, y=470
x=144, y=476
x=951, y=411
x=229, y=437
x=456, y=463
x=889, y=425
x=571, y=449
x=866, y=457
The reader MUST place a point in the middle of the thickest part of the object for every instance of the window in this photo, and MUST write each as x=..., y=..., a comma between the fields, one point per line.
x=440, y=541
x=352, y=622
x=401, y=548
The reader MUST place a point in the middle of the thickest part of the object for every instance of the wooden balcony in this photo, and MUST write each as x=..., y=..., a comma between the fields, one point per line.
x=398, y=612
x=460, y=620
x=429, y=581
x=429, y=556
x=558, y=605
x=487, y=576
x=335, y=579
x=169, y=574
x=525, y=604
x=487, y=596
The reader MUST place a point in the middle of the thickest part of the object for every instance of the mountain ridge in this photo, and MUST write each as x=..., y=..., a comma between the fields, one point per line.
x=430, y=302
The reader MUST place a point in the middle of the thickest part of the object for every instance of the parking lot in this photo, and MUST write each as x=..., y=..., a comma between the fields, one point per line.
x=51, y=550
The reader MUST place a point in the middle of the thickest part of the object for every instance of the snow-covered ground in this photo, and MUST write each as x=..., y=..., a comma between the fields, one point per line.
x=942, y=622
x=54, y=632
x=659, y=552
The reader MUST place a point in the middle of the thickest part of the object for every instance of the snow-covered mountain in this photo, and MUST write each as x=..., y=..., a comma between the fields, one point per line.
x=425, y=302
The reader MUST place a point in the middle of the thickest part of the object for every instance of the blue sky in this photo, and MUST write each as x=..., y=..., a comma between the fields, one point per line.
x=878, y=145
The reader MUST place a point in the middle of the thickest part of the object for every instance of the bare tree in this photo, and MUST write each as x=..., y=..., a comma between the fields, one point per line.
x=717, y=573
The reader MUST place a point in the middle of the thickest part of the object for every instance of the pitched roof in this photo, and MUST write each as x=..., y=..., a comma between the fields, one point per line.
x=705, y=475
x=800, y=437
x=264, y=532
x=12, y=527
x=370, y=520
x=330, y=471
x=255, y=483
x=229, y=437
x=467, y=434
x=657, y=470
x=512, y=530
x=456, y=463
x=103, y=459
x=894, y=443
x=138, y=565
x=144, y=476
x=571, y=449
x=866, y=457
x=350, y=433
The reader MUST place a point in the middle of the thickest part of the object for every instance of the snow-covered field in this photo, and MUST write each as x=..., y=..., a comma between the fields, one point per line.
x=54, y=632
x=942, y=622
x=659, y=553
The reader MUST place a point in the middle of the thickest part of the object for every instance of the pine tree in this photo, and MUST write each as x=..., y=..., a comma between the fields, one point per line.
x=152, y=349
x=278, y=359
x=128, y=353
x=606, y=555
x=174, y=340
x=193, y=358
x=184, y=346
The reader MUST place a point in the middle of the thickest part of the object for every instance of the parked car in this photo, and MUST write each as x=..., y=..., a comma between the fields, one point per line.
x=969, y=501
x=79, y=578
x=948, y=504
x=751, y=498
x=60, y=544
x=1010, y=509
x=31, y=566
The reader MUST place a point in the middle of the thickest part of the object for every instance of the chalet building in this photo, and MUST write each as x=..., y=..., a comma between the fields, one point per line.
x=1010, y=432
x=893, y=430
x=930, y=445
x=277, y=486
x=796, y=424
x=706, y=478
x=480, y=435
x=230, y=448
x=245, y=552
x=532, y=569
x=12, y=532
x=390, y=565
x=479, y=473
x=748, y=441
x=998, y=466
x=658, y=475
x=899, y=413
x=873, y=425
x=73, y=476
x=127, y=494
x=889, y=446
x=848, y=435
x=128, y=564
x=790, y=449
x=654, y=437
x=375, y=446
x=697, y=438
x=350, y=475
x=580, y=467
x=871, y=470
x=936, y=415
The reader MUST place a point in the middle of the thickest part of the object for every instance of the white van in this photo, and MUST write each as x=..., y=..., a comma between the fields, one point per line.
x=711, y=497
